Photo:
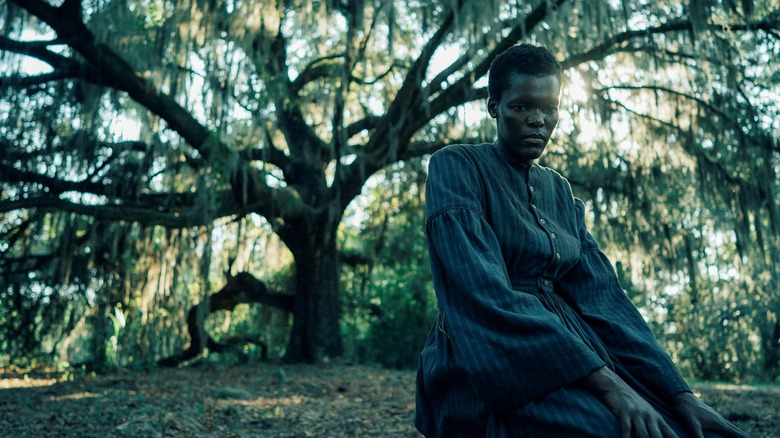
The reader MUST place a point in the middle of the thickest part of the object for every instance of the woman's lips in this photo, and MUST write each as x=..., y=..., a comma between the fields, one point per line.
x=534, y=140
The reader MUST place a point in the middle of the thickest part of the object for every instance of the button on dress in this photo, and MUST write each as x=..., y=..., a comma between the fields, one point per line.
x=528, y=304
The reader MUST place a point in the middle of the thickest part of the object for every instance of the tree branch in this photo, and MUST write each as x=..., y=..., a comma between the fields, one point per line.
x=711, y=109
x=36, y=49
x=11, y=174
x=722, y=171
x=318, y=68
x=386, y=141
x=611, y=44
x=365, y=124
x=119, y=212
x=64, y=67
x=25, y=81
x=117, y=73
x=462, y=90
x=268, y=154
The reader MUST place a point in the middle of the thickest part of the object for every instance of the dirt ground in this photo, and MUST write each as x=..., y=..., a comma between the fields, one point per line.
x=263, y=400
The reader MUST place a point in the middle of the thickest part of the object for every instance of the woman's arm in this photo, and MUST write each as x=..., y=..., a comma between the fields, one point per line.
x=591, y=288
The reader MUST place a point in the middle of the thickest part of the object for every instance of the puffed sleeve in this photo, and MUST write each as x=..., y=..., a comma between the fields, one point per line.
x=591, y=287
x=510, y=346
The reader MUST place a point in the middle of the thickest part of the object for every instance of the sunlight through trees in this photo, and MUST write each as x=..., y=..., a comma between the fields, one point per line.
x=148, y=146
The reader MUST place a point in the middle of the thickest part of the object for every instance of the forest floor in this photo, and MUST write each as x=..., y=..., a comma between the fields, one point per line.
x=264, y=400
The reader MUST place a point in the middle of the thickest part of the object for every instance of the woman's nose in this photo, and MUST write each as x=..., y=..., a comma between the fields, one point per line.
x=536, y=117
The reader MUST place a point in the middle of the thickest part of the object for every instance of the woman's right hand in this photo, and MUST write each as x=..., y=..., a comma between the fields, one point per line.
x=636, y=416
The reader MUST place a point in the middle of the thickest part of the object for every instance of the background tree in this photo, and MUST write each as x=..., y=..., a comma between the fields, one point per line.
x=386, y=280
x=133, y=128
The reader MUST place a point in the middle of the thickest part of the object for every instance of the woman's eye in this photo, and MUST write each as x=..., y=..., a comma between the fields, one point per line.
x=551, y=109
x=519, y=107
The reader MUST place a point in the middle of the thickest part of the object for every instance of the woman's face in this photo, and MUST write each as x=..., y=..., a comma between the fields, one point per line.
x=526, y=115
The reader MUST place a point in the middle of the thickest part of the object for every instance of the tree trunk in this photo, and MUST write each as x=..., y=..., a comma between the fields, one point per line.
x=316, y=331
x=101, y=356
x=771, y=346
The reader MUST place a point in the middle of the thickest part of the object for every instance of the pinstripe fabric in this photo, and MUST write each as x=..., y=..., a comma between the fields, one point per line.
x=528, y=304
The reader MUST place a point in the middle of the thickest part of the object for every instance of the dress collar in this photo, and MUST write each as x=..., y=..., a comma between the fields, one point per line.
x=510, y=158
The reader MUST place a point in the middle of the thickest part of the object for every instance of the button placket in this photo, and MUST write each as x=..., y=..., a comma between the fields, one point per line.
x=534, y=204
x=534, y=198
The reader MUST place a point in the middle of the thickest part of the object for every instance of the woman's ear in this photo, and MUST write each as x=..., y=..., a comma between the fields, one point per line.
x=492, y=104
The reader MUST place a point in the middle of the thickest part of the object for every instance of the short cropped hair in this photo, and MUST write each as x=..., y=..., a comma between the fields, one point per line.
x=524, y=59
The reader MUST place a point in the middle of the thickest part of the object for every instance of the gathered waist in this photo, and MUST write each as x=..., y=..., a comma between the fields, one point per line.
x=532, y=284
x=543, y=289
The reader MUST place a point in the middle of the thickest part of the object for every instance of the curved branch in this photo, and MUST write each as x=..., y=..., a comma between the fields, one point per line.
x=269, y=154
x=64, y=67
x=613, y=43
x=698, y=100
x=55, y=185
x=462, y=90
x=243, y=288
x=384, y=144
x=115, y=72
x=305, y=146
x=316, y=69
x=708, y=106
x=436, y=83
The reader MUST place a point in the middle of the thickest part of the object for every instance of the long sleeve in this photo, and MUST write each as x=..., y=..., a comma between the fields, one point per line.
x=512, y=349
x=592, y=289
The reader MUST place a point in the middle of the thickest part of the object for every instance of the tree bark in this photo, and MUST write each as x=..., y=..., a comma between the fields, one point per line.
x=771, y=347
x=316, y=331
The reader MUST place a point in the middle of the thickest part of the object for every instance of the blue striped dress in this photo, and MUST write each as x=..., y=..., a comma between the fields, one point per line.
x=528, y=305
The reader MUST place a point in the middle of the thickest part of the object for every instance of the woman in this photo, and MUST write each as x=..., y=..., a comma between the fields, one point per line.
x=534, y=336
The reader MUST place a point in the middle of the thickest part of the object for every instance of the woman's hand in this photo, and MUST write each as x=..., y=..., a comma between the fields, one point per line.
x=698, y=416
x=637, y=418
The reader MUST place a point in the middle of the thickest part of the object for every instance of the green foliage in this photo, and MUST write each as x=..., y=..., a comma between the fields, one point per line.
x=388, y=299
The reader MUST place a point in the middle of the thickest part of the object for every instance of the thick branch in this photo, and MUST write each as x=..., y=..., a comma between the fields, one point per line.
x=243, y=288
x=462, y=90
x=459, y=93
x=117, y=73
x=268, y=154
x=147, y=216
x=386, y=140
x=35, y=49
x=64, y=67
x=365, y=124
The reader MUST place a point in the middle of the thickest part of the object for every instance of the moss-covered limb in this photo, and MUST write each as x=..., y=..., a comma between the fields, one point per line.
x=242, y=288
